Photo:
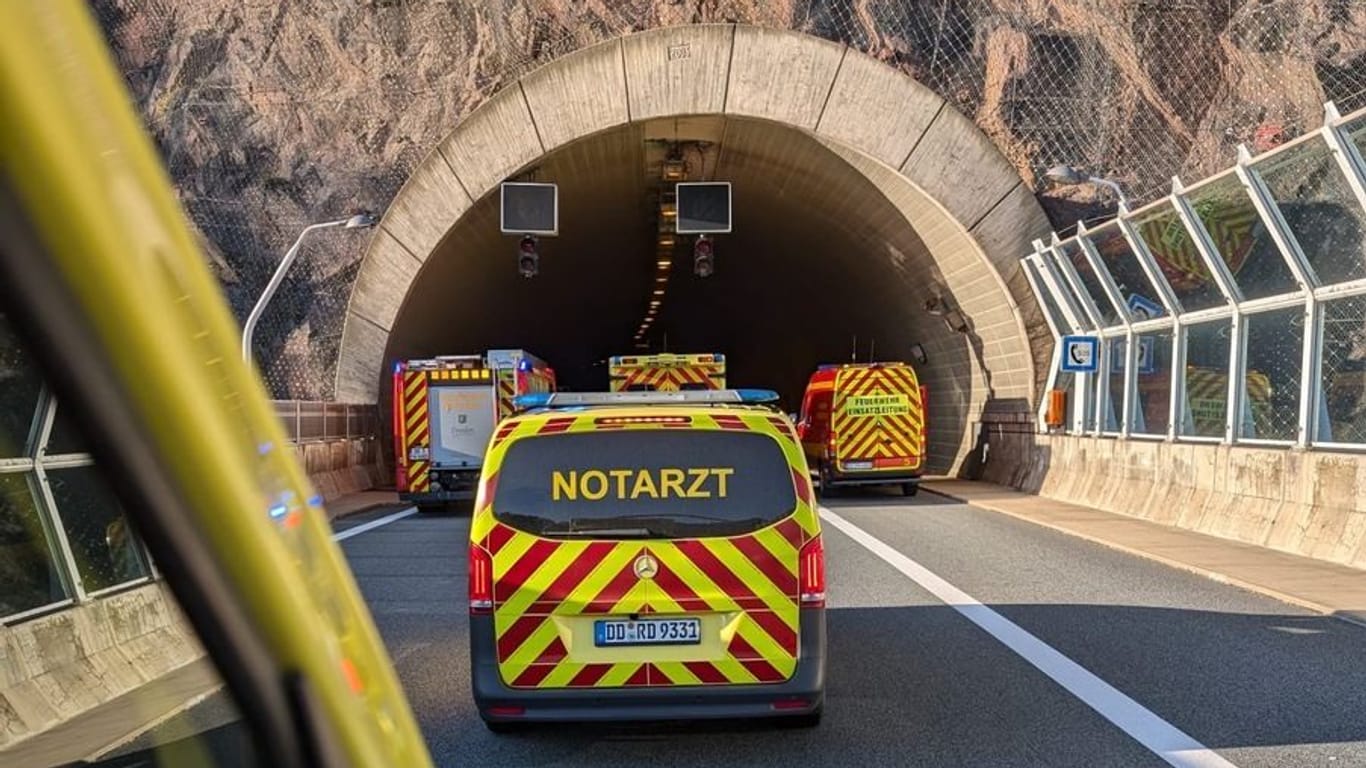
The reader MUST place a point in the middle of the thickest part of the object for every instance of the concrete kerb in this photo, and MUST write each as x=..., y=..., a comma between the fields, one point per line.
x=1352, y=617
x=156, y=722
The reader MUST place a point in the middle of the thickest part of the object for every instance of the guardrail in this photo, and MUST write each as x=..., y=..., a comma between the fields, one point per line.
x=307, y=421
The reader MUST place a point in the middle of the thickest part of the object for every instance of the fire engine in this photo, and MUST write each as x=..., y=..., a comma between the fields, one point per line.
x=667, y=372
x=445, y=411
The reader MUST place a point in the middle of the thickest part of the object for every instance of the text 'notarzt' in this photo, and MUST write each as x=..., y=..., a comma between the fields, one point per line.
x=668, y=483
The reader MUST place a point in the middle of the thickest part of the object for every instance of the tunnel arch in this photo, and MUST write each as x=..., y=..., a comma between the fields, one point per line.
x=932, y=170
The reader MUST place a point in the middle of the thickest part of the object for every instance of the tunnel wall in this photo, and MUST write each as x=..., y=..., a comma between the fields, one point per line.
x=1307, y=503
x=963, y=196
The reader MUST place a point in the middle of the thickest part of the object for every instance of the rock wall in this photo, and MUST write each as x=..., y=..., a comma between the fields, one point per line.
x=272, y=115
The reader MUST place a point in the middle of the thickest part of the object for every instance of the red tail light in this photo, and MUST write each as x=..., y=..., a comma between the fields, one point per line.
x=811, y=562
x=481, y=581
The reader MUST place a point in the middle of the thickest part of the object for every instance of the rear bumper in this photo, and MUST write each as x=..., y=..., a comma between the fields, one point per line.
x=642, y=704
x=872, y=477
x=436, y=497
x=458, y=484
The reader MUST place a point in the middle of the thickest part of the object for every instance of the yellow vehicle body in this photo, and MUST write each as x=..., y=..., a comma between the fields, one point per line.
x=90, y=190
x=542, y=601
x=667, y=372
x=864, y=424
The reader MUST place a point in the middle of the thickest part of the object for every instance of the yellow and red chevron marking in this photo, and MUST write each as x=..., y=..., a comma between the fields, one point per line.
x=416, y=429
x=507, y=390
x=893, y=436
x=1207, y=384
x=750, y=582
x=1230, y=227
x=668, y=378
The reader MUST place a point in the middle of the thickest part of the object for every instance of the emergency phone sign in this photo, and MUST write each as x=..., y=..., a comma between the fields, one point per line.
x=1080, y=354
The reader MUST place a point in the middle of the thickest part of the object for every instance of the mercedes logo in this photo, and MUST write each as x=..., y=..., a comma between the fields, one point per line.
x=646, y=567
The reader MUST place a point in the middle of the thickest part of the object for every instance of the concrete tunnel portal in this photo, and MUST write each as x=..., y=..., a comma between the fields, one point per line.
x=837, y=246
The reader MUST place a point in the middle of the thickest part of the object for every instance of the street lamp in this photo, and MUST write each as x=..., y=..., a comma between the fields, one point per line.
x=359, y=221
x=1070, y=176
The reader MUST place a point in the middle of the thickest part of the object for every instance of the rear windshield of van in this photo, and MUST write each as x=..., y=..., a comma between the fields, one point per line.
x=644, y=483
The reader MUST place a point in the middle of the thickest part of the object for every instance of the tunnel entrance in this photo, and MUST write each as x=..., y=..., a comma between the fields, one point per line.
x=871, y=222
x=821, y=267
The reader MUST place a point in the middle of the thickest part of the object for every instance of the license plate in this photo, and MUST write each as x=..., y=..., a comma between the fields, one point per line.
x=857, y=465
x=647, y=632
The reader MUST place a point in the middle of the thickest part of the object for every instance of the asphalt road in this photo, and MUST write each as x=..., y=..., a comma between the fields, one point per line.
x=914, y=681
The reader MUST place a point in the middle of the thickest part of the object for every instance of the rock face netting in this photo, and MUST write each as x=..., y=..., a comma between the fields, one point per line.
x=272, y=115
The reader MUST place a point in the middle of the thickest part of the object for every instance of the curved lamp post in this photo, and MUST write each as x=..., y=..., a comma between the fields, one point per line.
x=359, y=221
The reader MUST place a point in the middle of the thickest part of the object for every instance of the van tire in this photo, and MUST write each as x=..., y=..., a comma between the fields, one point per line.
x=910, y=489
x=826, y=489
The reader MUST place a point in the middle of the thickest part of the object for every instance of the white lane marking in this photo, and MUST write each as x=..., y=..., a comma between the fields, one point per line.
x=1162, y=738
x=373, y=524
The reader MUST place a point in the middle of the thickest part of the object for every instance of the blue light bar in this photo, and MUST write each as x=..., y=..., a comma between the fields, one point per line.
x=757, y=396
x=691, y=397
x=537, y=400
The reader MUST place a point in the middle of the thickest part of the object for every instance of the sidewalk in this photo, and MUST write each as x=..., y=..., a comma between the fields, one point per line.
x=353, y=503
x=1321, y=586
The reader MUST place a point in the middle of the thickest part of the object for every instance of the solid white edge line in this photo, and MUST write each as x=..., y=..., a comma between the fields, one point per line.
x=373, y=524
x=1157, y=735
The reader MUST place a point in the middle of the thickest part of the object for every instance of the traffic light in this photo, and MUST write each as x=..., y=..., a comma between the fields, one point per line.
x=528, y=260
x=704, y=257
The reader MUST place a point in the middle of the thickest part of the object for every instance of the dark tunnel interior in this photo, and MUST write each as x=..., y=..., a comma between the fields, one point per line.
x=820, y=268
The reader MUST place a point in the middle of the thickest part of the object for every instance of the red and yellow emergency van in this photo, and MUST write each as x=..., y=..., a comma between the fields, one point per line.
x=643, y=556
x=445, y=411
x=667, y=372
x=865, y=424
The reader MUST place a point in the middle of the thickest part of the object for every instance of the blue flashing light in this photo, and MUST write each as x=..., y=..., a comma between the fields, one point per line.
x=265, y=448
x=278, y=511
x=524, y=365
x=315, y=501
x=535, y=400
x=757, y=395
x=398, y=366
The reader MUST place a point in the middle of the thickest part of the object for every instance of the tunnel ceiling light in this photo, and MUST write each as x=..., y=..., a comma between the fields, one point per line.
x=659, y=291
x=666, y=242
x=667, y=210
x=664, y=263
x=674, y=170
x=662, y=279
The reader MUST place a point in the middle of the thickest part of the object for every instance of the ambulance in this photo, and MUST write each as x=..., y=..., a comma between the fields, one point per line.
x=646, y=556
x=667, y=372
x=445, y=410
x=865, y=424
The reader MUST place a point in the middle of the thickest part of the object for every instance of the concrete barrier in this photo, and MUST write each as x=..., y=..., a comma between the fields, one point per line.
x=56, y=667
x=342, y=466
x=1307, y=503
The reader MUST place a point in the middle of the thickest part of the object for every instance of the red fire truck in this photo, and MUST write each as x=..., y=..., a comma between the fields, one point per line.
x=445, y=411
